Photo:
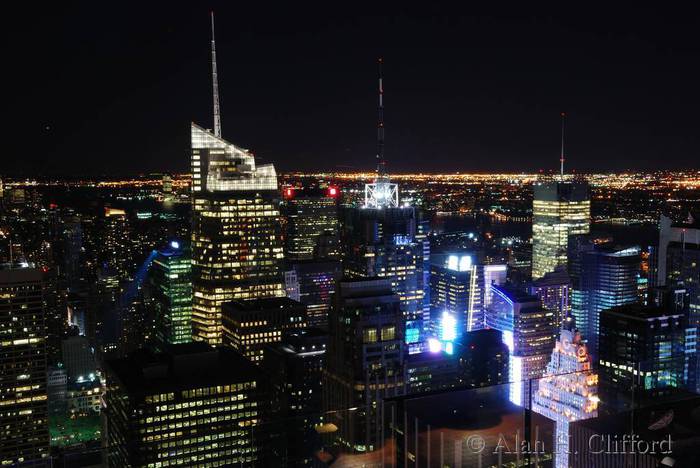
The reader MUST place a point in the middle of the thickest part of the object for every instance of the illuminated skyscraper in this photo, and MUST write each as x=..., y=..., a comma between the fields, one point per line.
x=24, y=438
x=559, y=209
x=171, y=279
x=309, y=213
x=462, y=288
x=569, y=390
x=603, y=275
x=191, y=406
x=529, y=332
x=236, y=235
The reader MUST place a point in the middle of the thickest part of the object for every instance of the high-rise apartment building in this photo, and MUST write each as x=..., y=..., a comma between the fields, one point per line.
x=603, y=275
x=309, y=213
x=365, y=360
x=24, y=437
x=250, y=325
x=559, y=209
x=529, y=332
x=236, y=234
x=171, y=281
x=191, y=406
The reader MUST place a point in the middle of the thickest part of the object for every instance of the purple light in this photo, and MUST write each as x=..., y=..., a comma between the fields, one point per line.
x=434, y=346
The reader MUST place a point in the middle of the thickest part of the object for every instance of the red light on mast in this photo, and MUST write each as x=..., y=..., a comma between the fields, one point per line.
x=332, y=192
x=289, y=192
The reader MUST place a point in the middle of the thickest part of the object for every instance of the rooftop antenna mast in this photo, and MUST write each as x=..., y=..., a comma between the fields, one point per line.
x=215, y=82
x=381, y=162
x=561, y=157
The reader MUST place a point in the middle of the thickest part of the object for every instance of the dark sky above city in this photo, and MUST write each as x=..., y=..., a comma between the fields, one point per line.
x=111, y=90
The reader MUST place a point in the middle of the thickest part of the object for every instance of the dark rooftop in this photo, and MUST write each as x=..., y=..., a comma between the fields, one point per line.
x=183, y=366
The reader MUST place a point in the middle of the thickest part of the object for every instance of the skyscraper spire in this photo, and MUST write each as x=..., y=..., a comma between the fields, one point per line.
x=381, y=162
x=561, y=158
x=215, y=82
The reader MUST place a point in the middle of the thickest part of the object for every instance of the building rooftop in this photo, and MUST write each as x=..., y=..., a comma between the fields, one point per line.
x=183, y=366
x=640, y=312
x=268, y=303
x=515, y=294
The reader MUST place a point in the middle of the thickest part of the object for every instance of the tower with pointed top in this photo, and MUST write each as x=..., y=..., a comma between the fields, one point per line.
x=382, y=239
x=236, y=235
x=560, y=208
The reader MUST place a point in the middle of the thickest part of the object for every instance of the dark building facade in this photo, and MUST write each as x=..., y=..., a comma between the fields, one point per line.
x=381, y=242
x=295, y=366
x=642, y=353
x=312, y=282
x=365, y=360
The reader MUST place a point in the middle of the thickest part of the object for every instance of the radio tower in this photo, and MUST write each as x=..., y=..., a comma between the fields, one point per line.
x=381, y=162
x=561, y=158
x=215, y=82
x=382, y=193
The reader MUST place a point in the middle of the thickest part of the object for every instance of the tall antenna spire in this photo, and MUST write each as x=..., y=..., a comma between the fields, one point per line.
x=215, y=82
x=381, y=162
x=561, y=158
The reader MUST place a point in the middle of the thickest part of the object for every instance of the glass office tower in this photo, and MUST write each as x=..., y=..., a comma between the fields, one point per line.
x=529, y=332
x=171, y=279
x=236, y=234
x=603, y=275
x=559, y=209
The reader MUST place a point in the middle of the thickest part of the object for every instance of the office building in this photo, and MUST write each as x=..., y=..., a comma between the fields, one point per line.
x=309, y=213
x=568, y=391
x=559, y=209
x=171, y=283
x=528, y=330
x=236, y=232
x=603, y=275
x=554, y=290
x=251, y=325
x=295, y=365
x=381, y=242
x=461, y=287
x=676, y=264
x=365, y=360
x=484, y=358
x=24, y=439
x=312, y=282
x=642, y=354
x=190, y=406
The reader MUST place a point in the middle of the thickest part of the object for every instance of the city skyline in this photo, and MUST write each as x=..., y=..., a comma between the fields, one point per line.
x=460, y=93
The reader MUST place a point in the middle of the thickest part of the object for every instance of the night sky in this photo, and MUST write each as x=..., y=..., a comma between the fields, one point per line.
x=112, y=91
